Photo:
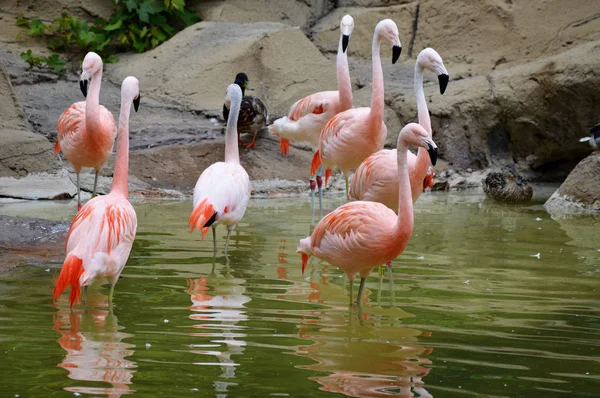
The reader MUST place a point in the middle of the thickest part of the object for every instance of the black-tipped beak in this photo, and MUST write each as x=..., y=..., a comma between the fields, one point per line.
x=136, y=103
x=432, y=154
x=83, y=87
x=396, y=50
x=345, y=40
x=443, y=79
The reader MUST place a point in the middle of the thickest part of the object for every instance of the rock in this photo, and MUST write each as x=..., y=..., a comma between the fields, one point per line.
x=179, y=166
x=86, y=10
x=194, y=68
x=290, y=12
x=516, y=113
x=24, y=152
x=497, y=34
x=11, y=113
x=581, y=190
x=105, y=183
x=38, y=186
x=326, y=33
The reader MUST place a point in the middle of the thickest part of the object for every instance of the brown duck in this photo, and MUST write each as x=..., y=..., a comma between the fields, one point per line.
x=507, y=186
x=253, y=113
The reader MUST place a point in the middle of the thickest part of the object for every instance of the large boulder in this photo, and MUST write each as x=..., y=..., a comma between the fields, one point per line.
x=11, y=114
x=326, y=33
x=581, y=189
x=290, y=12
x=194, y=68
x=23, y=152
x=532, y=113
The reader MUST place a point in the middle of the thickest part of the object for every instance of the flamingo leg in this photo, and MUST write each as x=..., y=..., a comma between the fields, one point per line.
x=312, y=195
x=351, y=283
x=360, y=290
x=391, y=281
x=84, y=295
x=95, y=184
x=227, y=242
x=111, y=291
x=320, y=186
x=214, y=239
x=346, y=179
x=78, y=194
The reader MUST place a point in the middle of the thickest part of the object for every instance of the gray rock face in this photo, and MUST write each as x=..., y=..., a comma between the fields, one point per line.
x=11, y=114
x=581, y=190
x=193, y=69
x=38, y=186
x=24, y=152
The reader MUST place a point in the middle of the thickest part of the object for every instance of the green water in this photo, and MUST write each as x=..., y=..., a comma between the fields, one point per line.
x=471, y=311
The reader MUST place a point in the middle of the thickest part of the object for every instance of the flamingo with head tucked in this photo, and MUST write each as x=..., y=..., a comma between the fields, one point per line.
x=222, y=192
x=350, y=136
x=308, y=116
x=87, y=130
x=375, y=179
x=358, y=236
x=102, y=233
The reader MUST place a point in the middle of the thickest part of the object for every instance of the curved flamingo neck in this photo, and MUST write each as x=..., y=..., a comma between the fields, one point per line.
x=92, y=107
x=120, y=183
x=343, y=78
x=404, y=222
x=376, y=113
x=232, y=154
x=422, y=165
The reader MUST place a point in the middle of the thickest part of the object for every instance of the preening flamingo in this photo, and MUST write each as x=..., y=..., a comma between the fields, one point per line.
x=102, y=233
x=375, y=179
x=86, y=130
x=253, y=113
x=308, y=116
x=358, y=236
x=222, y=192
x=350, y=136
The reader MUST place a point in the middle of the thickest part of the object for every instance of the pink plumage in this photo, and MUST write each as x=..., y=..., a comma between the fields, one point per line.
x=87, y=130
x=350, y=136
x=358, y=236
x=375, y=179
x=102, y=233
x=222, y=192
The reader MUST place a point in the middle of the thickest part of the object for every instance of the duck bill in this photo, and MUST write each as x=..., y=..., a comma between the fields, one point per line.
x=443, y=80
x=83, y=86
x=396, y=50
x=433, y=153
x=136, y=103
x=345, y=41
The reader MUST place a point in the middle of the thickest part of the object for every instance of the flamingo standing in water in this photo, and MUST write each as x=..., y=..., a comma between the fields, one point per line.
x=86, y=130
x=308, y=116
x=350, y=136
x=358, y=236
x=102, y=233
x=222, y=192
x=375, y=179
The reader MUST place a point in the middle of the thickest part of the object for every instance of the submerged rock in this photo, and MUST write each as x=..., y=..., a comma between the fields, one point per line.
x=581, y=190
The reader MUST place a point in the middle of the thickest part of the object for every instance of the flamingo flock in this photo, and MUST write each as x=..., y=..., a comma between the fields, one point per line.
x=371, y=230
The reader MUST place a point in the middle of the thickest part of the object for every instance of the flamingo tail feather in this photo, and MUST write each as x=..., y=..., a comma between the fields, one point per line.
x=203, y=216
x=70, y=273
x=316, y=162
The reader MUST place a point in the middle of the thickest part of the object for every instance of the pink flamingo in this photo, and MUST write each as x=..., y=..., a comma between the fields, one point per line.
x=308, y=116
x=350, y=136
x=86, y=130
x=375, y=179
x=222, y=192
x=102, y=233
x=358, y=236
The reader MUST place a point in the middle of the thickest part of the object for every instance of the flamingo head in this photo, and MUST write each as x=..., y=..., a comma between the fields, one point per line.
x=234, y=95
x=415, y=134
x=130, y=91
x=429, y=59
x=388, y=31
x=346, y=28
x=241, y=79
x=91, y=66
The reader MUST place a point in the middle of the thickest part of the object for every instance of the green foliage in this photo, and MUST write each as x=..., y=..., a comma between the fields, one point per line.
x=137, y=25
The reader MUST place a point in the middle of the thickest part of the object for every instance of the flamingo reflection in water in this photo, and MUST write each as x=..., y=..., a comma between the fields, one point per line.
x=95, y=351
x=218, y=302
x=375, y=359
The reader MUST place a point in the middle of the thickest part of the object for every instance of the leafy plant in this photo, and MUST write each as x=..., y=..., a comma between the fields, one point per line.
x=137, y=25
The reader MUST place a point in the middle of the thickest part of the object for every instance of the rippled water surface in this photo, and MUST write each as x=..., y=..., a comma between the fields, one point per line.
x=487, y=300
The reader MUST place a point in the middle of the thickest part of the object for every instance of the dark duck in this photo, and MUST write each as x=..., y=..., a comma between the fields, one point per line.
x=253, y=113
x=507, y=186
